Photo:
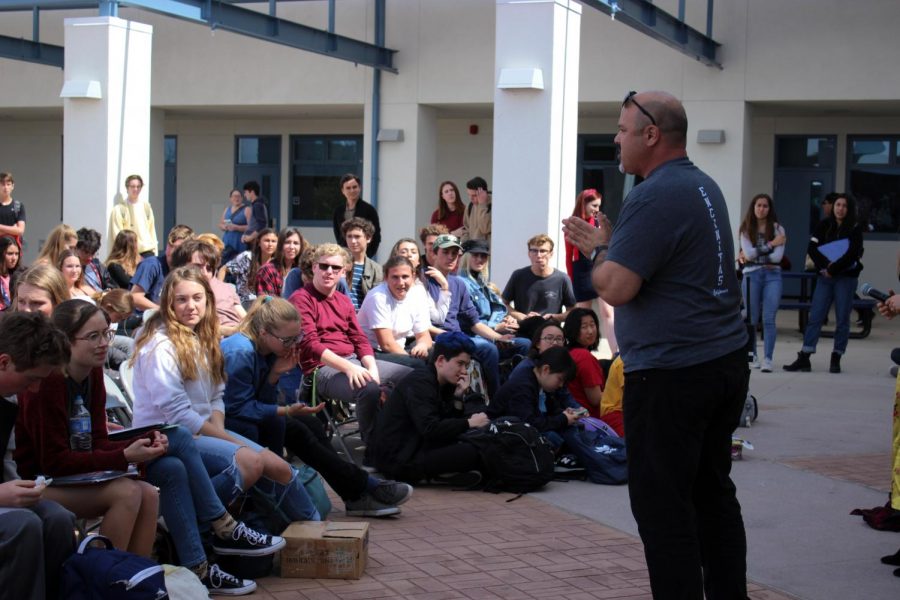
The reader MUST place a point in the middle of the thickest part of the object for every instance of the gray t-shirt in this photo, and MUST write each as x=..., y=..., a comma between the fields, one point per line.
x=674, y=232
x=528, y=292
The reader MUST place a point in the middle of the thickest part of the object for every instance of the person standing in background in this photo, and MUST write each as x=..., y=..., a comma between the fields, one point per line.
x=12, y=212
x=354, y=206
x=259, y=214
x=137, y=215
x=477, y=220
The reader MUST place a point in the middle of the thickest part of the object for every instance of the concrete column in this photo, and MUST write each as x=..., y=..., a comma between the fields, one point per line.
x=407, y=174
x=106, y=130
x=535, y=130
x=727, y=163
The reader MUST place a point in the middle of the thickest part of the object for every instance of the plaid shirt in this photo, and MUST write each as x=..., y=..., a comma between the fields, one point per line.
x=269, y=280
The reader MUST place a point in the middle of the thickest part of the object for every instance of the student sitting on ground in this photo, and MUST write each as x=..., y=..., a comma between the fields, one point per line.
x=37, y=535
x=365, y=273
x=582, y=330
x=118, y=305
x=533, y=395
x=150, y=274
x=419, y=428
x=334, y=349
x=46, y=444
x=395, y=316
x=539, y=289
x=270, y=277
x=613, y=392
x=171, y=462
x=255, y=358
x=179, y=378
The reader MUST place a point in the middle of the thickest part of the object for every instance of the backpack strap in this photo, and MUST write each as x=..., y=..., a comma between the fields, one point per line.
x=87, y=541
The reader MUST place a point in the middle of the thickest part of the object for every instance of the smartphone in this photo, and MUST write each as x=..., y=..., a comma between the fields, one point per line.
x=41, y=480
x=581, y=412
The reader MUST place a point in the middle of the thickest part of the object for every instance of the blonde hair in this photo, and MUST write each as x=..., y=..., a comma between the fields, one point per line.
x=56, y=244
x=47, y=278
x=125, y=251
x=116, y=301
x=329, y=249
x=213, y=240
x=266, y=313
x=203, y=340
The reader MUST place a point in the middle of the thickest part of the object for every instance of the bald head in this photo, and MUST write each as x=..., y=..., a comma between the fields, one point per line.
x=667, y=111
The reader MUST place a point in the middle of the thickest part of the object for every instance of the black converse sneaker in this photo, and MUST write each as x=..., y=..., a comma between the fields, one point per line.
x=220, y=583
x=244, y=541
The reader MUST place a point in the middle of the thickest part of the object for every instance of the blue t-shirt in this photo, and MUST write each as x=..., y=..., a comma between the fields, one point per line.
x=674, y=232
x=150, y=275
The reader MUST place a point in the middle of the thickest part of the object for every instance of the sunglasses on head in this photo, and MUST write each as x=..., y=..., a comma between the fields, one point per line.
x=630, y=98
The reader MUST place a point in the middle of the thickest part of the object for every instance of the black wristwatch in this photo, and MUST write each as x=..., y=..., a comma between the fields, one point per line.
x=598, y=250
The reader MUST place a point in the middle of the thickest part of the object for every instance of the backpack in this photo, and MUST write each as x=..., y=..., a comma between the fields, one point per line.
x=750, y=412
x=516, y=457
x=106, y=573
x=601, y=454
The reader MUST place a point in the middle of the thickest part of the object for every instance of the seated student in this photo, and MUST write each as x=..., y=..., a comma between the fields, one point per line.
x=171, y=461
x=547, y=334
x=179, y=378
x=395, y=317
x=204, y=256
x=118, y=305
x=486, y=297
x=420, y=424
x=364, y=273
x=407, y=248
x=462, y=315
x=539, y=289
x=582, y=331
x=123, y=259
x=37, y=535
x=532, y=395
x=95, y=274
x=613, y=392
x=270, y=277
x=46, y=445
x=255, y=358
x=333, y=348
x=151, y=272
x=70, y=266
x=39, y=289
x=242, y=269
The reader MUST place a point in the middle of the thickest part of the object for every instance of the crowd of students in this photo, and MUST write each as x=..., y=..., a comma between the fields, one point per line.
x=221, y=350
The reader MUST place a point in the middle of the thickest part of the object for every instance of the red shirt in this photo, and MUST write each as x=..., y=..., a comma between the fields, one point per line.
x=587, y=374
x=328, y=323
x=453, y=220
x=42, y=431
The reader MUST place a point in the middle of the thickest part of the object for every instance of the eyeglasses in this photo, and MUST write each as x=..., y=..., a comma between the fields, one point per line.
x=94, y=337
x=539, y=251
x=630, y=97
x=288, y=341
x=328, y=267
x=553, y=339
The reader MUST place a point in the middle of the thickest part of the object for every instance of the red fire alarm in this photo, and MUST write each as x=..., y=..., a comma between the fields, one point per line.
x=473, y=129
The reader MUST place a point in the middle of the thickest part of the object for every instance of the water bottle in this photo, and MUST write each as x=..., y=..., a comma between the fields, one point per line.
x=80, y=426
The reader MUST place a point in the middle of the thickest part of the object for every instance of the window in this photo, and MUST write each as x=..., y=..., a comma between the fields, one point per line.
x=317, y=164
x=805, y=152
x=873, y=177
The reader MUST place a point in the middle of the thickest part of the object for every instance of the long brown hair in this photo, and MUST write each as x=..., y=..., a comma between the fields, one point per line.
x=203, y=340
x=750, y=225
x=256, y=260
x=125, y=251
x=443, y=208
x=56, y=244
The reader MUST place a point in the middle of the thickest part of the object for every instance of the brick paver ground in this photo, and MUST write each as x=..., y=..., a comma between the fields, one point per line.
x=872, y=470
x=471, y=545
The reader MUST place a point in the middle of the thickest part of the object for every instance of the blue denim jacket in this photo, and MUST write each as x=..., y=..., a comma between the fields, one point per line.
x=490, y=306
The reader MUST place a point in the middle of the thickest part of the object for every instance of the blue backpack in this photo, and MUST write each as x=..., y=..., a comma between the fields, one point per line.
x=110, y=574
x=601, y=454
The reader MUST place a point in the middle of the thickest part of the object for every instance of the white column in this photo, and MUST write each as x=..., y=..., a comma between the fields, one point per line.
x=407, y=190
x=106, y=131
x=535, y=130
x=728, y=163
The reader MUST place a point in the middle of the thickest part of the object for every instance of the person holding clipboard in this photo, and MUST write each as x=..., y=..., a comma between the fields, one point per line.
x=835, y=248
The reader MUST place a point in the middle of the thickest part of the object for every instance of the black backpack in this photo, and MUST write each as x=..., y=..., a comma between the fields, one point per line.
x=516, y=457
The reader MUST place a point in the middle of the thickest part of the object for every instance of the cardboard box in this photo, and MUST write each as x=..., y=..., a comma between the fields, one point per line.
x=325, y=549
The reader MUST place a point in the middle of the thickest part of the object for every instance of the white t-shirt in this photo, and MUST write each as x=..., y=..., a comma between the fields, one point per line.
x=405, y=318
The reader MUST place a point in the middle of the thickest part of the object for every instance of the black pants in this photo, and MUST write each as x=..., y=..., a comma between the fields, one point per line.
x=431, y=462
x=678, y=426
x=305, y=437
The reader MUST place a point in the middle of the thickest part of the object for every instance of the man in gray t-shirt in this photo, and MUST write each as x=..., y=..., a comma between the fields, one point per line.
x=539, y=289
x=668, y=269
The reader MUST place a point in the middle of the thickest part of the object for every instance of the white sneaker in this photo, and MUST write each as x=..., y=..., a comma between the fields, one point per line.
x=754, y=362
x=766, y=365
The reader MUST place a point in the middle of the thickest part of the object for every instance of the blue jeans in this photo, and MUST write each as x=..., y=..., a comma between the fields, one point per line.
x=764, y=294
x=187, y=497
x=218, y=457
x=839, y=290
